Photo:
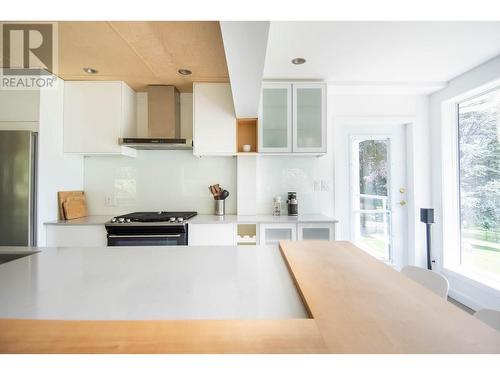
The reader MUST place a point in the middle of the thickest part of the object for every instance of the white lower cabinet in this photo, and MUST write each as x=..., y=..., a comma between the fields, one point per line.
x=76, y=235
x=211, y=234
x=316, y=231
x=273, y=233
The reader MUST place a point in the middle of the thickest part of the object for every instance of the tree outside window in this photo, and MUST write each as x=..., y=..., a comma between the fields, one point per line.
x=479, y=158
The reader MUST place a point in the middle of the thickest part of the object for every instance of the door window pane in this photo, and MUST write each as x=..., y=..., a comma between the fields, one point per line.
x=374, y=233
x=479, y=172
x=372, y=215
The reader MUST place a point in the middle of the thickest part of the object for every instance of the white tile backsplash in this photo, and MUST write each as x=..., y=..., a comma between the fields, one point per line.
x=157, y=180
x=277, y=175
x=176, y=180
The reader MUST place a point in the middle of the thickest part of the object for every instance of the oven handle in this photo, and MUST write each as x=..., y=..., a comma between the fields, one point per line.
x=144, y=236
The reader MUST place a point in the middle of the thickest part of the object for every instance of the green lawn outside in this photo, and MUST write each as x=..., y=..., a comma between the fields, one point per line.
x=481, y=255
x=375, y=244
x=481, y=239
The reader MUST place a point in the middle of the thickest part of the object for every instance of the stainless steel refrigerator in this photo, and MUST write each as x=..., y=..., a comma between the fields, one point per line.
x=18, y=168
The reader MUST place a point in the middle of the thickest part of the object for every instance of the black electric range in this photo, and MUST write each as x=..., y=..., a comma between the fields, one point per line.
x=161, y=228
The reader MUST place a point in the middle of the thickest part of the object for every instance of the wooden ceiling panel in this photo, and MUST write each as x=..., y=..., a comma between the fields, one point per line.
x=143, y=53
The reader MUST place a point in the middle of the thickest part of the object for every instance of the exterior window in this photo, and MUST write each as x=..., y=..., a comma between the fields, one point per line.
x=479, y=183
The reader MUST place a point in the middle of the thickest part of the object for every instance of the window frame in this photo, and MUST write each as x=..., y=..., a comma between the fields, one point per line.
x=451, y=186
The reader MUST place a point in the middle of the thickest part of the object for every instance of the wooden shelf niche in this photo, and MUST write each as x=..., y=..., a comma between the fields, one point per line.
x=246, y=134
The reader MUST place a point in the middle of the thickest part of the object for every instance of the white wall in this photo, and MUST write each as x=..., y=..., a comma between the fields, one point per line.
x=487, y=74
x=157, y=180
x=411, y=109
x=19, y=105
x=56, y=171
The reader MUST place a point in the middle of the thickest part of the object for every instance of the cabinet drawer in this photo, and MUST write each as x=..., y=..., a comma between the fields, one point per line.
x=211, y=234
x=316, y=231
x=274, y=233
x=76, y=235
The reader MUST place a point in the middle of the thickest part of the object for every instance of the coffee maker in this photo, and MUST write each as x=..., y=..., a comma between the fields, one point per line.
x=293, y=205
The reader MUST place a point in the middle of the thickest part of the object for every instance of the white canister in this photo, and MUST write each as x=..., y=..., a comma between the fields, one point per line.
x=277, y=206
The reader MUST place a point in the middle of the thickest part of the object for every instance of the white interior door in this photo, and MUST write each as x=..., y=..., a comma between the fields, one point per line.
x=378, y=206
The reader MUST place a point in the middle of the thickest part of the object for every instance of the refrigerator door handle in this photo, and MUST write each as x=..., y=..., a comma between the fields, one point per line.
x=33, y=190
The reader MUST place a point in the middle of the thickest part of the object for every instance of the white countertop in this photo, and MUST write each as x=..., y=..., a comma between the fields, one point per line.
x=19, y=249
x=129, y=283
x=88, y=220
x=212, y=219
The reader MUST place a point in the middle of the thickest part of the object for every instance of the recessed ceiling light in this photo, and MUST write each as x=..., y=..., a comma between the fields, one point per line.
x=298, y=61
x=90, y=70
x=185, y=72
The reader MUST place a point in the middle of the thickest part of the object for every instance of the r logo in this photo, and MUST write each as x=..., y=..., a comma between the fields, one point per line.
x=28, y=49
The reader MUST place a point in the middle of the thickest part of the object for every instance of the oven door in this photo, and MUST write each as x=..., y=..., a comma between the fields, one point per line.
x=174, y=239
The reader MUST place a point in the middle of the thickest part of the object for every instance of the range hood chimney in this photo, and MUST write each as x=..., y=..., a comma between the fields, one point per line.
x=164, y=122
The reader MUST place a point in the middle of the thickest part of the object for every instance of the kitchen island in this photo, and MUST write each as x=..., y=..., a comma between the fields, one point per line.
x=350, y=303
x=150, y=283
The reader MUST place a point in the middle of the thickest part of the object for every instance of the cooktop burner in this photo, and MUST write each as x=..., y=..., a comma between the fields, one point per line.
x=154, y=217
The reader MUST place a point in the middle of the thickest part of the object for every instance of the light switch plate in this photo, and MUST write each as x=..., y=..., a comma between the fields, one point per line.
x=110, y=201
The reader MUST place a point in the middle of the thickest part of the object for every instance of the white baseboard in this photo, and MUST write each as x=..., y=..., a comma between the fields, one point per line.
x=465, y=300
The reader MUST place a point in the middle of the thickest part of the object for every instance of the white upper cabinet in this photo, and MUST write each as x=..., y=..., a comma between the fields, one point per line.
x=293, y=118
x=309, y=118
x=214, y=120
x=96, y=115
x=275, y=125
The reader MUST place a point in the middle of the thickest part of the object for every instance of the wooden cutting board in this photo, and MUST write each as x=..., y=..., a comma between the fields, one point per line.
x=72, y=204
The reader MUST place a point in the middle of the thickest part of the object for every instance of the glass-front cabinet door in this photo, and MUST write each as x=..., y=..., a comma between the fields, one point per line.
x=316, y=231
x=309, y=118
x=275, y=125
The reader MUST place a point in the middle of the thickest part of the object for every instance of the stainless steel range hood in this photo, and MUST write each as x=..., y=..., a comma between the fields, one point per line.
x=164, y=122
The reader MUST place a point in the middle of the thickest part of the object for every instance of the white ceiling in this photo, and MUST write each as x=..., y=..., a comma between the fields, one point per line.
x=381, y=52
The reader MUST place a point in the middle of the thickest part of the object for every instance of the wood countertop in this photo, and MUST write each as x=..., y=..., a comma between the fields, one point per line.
x=357, y=305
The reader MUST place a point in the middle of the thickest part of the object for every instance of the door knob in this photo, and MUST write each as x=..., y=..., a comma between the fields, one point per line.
x=402, y=190
x=402, y=203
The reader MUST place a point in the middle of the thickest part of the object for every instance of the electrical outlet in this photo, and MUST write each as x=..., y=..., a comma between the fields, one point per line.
x=109, y=201
x=325, y=185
